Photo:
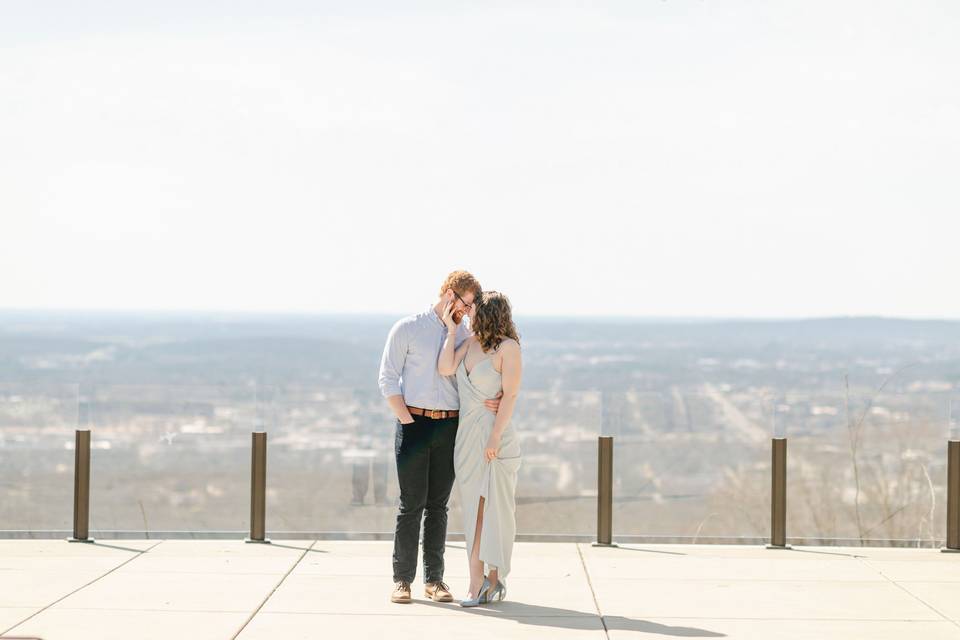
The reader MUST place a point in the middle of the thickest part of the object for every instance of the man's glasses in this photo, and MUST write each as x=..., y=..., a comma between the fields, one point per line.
x=465, y=303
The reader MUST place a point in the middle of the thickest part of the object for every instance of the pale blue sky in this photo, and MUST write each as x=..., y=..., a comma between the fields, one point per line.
x=663, y=158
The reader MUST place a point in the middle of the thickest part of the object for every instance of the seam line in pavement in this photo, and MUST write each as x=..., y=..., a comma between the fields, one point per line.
x=38, y=612
x=272, y=591
x=593, y=594
x=910, y=593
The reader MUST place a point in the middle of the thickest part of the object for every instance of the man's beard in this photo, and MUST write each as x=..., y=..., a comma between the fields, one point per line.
x=458, y=316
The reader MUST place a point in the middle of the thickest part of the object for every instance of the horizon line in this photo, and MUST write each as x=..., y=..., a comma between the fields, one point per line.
x=677, y=319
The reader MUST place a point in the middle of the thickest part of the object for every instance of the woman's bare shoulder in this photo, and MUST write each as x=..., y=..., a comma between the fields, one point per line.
x=509, y=345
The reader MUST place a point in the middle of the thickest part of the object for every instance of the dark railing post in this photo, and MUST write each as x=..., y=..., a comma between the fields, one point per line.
x=258, y=488
x=953, y=496
x=778, y=495
x=604, y=492
x=81, y=487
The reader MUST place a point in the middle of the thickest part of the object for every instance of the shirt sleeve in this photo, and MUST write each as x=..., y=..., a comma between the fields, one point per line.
x=391, y=363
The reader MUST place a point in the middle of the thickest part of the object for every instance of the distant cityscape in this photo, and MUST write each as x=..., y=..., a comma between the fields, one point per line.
x=171, y=401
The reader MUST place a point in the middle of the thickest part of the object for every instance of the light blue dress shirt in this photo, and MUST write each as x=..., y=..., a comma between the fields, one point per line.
x=409, y=363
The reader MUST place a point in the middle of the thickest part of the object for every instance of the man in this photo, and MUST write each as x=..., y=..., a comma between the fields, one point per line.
x=426, y=406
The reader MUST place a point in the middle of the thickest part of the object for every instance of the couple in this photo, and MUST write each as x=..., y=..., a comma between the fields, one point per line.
x=453, y=391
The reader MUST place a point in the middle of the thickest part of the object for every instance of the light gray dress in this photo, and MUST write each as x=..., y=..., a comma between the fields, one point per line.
x=495, y=481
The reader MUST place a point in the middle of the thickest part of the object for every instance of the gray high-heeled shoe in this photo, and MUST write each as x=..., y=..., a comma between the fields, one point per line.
x=481, y=596
x=498, y=593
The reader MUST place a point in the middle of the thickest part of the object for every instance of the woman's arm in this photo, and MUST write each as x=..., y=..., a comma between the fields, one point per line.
x=445, y=366
x=511, y=371
x=450, y=358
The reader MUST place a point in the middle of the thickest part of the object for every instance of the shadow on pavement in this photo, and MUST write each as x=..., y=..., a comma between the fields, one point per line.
x=116, y=546
x=542, y=616
x=826, y=553
x=290, y=546
x=669, y=553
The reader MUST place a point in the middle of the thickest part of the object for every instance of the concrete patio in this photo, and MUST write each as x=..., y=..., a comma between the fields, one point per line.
x=198, y=589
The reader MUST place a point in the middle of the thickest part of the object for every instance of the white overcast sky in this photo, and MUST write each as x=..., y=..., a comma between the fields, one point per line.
x=642, y=158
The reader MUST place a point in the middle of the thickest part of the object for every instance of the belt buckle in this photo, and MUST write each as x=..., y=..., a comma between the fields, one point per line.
x=435, y=414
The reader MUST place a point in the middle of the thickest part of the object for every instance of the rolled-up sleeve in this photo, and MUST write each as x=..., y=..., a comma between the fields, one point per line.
x=391, y=364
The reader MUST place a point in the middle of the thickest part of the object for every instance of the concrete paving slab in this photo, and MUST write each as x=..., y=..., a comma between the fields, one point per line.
x=546, y=549
x=781, y=629
x=369, y=595
x=896, y=553
x=173, y=591
x=209, y=588
x=9, y=616
x=230, y=548
x=353, y=595
x=111, y=624
x=799, y=554
x=333, y=563
x=39, y=589
x=544, y=597
x=22, y=585
x=380, y=548
x=632, y=567
x=352, y=548
x=465, y=626
x=36, y=573
x=216, y=556
x=942, y=596
x=526, y=563
x=759, y=599
x=148, y=563
x=908, y=571
x=62, y=548
x=54, y=564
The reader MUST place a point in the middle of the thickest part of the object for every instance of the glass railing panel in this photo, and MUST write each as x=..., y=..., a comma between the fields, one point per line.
x=692, y=466
x=868, y=467
x=37, y=436
x=557, y=481
x=331, y=466
x=170, y=458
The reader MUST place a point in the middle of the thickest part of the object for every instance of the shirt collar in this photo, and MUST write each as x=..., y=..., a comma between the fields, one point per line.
x=433, y=315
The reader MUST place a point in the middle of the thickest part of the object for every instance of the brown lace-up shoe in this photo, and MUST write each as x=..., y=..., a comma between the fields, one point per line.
x=401, y=592
x=438, y=591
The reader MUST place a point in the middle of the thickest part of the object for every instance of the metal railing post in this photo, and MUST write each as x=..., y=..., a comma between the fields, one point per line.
x=81, y=487
x=258, y=488
x=604, y=492
x=778, y=495
x=953, y=497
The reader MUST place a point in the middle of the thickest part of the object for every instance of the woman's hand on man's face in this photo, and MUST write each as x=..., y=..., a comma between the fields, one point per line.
x=448, y=316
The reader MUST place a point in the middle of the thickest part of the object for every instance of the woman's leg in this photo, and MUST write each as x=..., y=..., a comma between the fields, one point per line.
x=476, y=564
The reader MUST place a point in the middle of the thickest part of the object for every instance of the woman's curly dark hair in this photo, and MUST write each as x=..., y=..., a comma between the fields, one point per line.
x=493, y=321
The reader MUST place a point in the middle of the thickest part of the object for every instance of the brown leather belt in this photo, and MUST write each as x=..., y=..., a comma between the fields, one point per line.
x=436, y=414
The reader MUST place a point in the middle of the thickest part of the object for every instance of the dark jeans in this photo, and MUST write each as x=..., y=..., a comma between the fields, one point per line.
x=425, y=470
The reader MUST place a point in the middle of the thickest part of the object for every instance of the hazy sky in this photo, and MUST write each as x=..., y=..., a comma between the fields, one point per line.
x=654, y=158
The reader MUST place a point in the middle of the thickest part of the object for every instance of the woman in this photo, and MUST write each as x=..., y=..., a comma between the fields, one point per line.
x=487, y=450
